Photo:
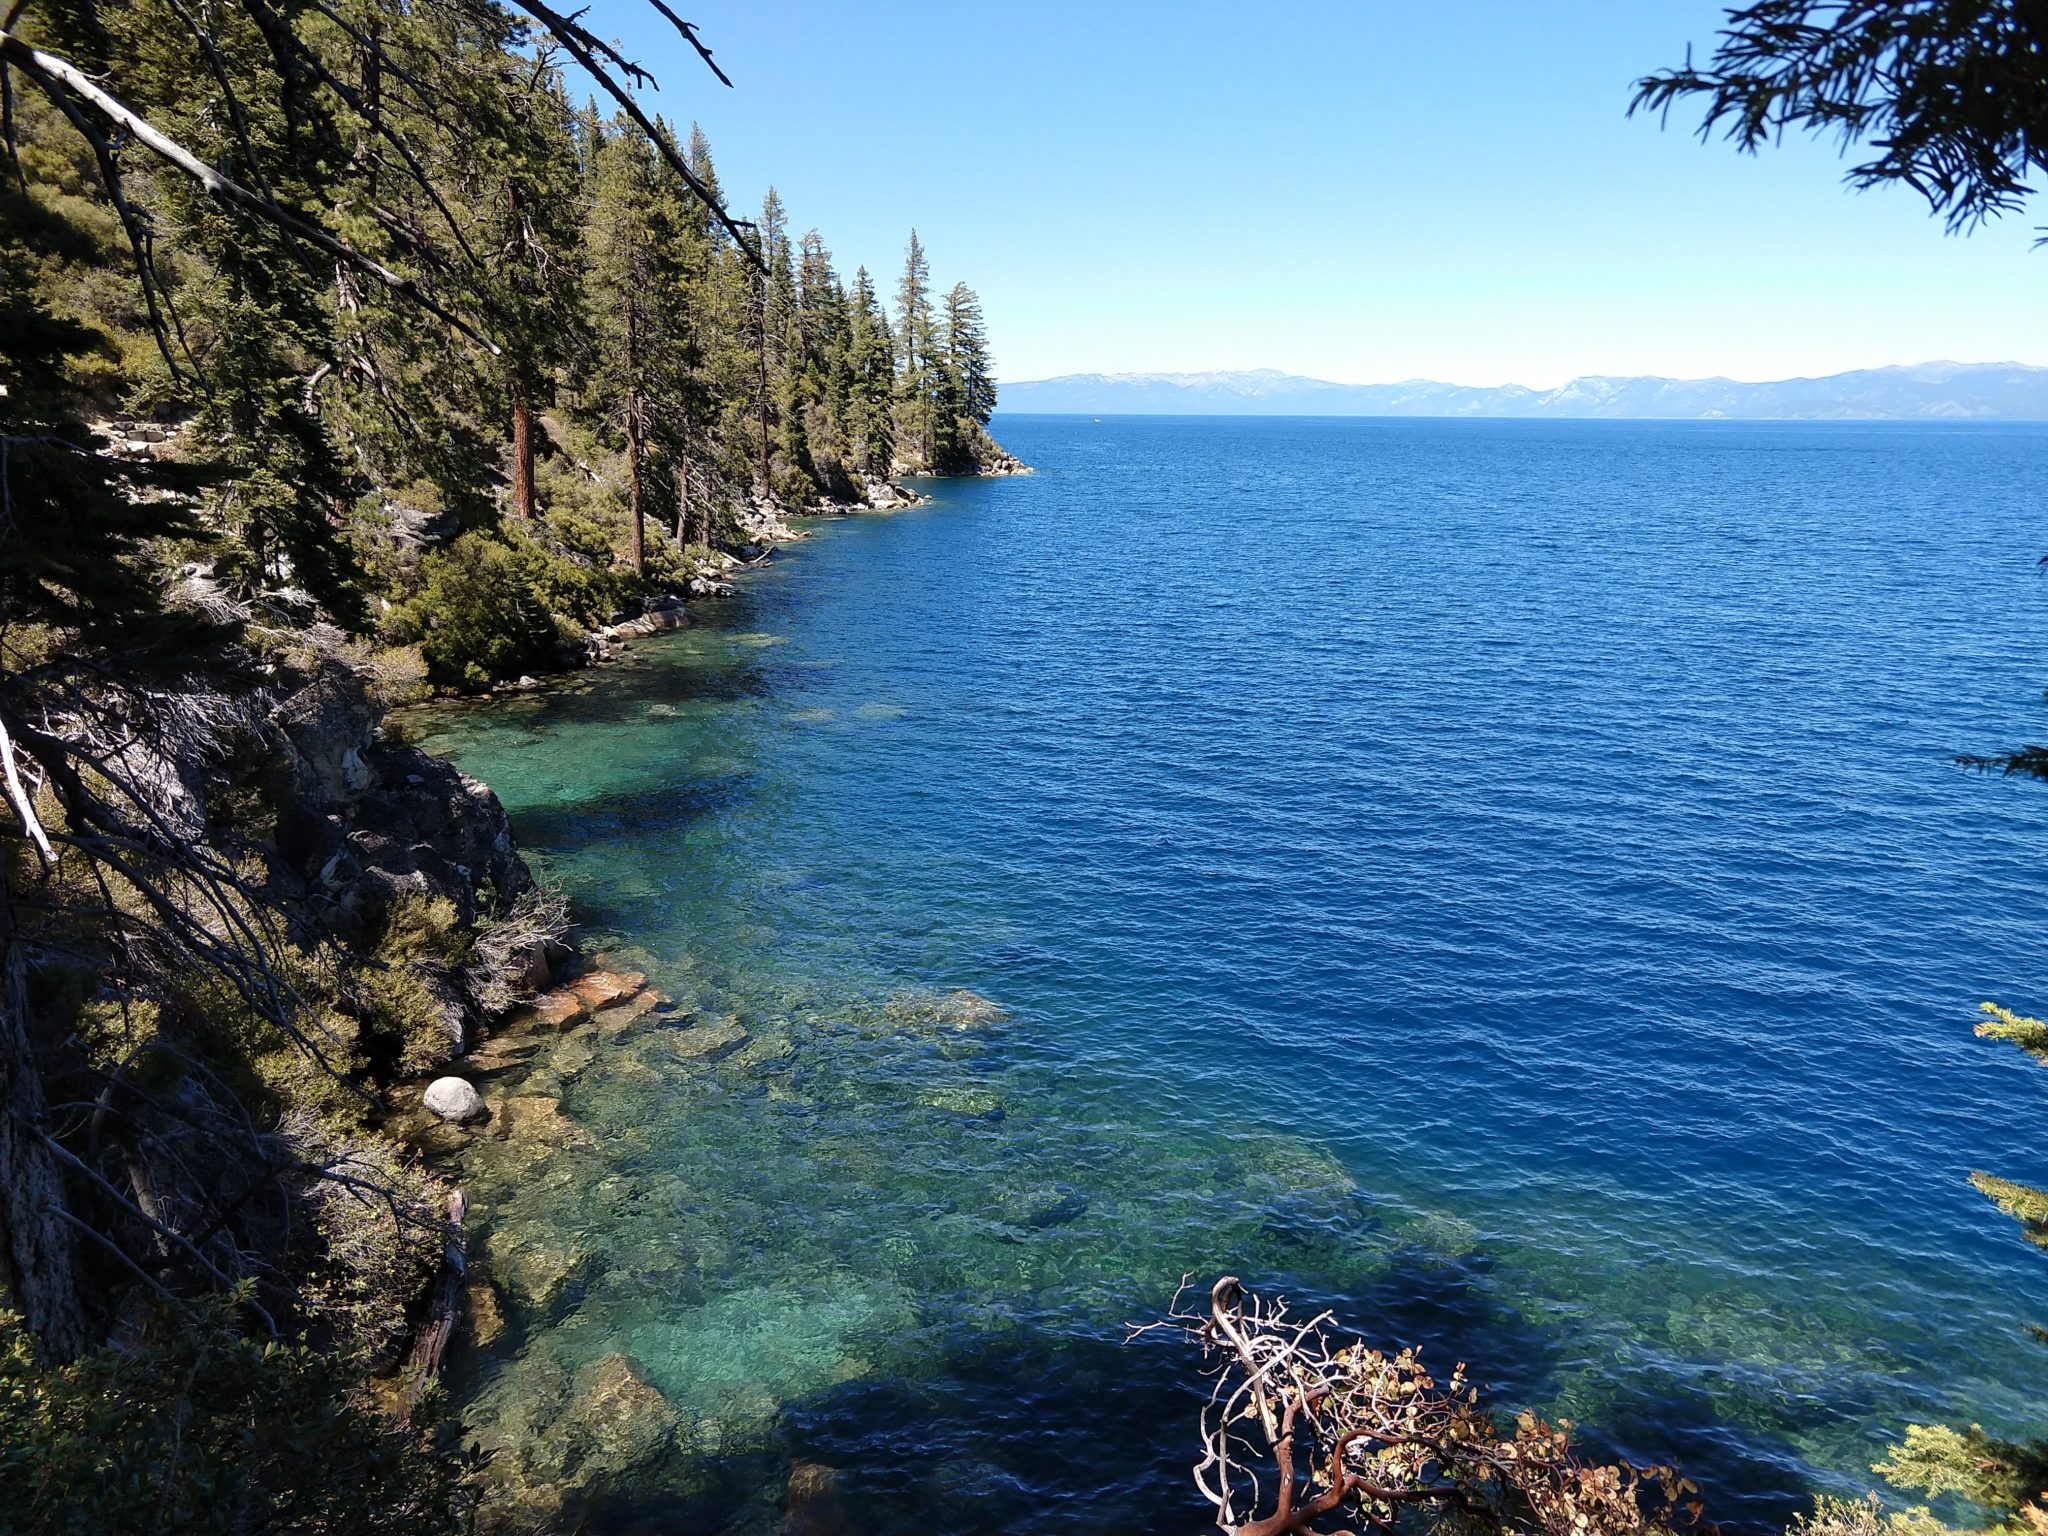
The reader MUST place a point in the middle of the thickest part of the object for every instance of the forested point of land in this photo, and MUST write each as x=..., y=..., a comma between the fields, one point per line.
x=345, y=357
x=575, y=377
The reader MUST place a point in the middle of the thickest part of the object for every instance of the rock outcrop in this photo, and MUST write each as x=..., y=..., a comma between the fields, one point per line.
x=365, y=823
x=998, y=460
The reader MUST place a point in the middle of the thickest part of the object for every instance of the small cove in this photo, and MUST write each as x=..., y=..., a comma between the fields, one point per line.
x=1505, y=880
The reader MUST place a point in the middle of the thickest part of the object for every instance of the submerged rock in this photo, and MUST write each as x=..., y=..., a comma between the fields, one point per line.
x=601, y=989
x=1043, y=1207
x=499, y=1056
x=621, y=1016
x=970, y=1103
x=538, y=1117
x=621, y=1418
x=959, y=1009
x=813, y=1503
x=763, y=1049
x=486, y=1317
x=709, y=1042
x=454, y=1100
x=546, y=1279
x=576, y=1052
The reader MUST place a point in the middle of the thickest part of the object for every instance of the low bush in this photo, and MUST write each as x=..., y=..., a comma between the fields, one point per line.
x=495, y=604
x=188, y=1425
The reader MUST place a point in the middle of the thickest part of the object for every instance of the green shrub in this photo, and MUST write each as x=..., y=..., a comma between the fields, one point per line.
x=475, y=614
x=420, y=939
x=576, y=589
x=188, y=1426
x=495, y=604
x=379, y=1241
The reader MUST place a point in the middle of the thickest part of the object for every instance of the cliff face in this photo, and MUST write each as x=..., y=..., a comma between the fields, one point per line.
x=364, y=822
x=369, y=828
x=283, y=912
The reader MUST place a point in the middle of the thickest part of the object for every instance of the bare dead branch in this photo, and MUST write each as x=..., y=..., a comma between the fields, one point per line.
x=584, y=47
x=23, y=806
x=1351, y=1435
x=689, y=32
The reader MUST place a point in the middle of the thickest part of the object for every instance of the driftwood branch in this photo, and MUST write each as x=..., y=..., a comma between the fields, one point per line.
x=1348, y=1436
x=430, y=1343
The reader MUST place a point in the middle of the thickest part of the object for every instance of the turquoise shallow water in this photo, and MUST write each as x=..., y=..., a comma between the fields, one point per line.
x=1504, y=879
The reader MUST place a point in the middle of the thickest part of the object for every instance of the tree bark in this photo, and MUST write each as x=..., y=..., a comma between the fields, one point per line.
x=761, y=335
x=635, y=523
x=522, y=446
x=682, y=503
x=41, y=1282
x=635, y=410
x=430, y=1343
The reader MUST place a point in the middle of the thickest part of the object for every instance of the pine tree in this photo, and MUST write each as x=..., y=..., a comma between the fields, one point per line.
x=530, y=197
x=871, y=395
x=698, y=154
x=780, y=299
x=915, y=349
x=681, y=416
x=722, y=295
x=633, y=291
x=967, y=347
x=249, y=338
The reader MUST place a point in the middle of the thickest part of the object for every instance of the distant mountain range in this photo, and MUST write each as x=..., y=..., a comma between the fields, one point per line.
x=1928, y=391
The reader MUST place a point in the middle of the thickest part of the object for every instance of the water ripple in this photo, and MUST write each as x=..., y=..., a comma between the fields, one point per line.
x=1504, y=880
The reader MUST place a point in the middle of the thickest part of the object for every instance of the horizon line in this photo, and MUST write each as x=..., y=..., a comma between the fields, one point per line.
x=1676, y=378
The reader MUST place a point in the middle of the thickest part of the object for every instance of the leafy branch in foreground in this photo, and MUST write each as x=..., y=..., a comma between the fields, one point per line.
x=306, y=90
x=1350, y=1439
x=1949, y=92
x=2029, y=762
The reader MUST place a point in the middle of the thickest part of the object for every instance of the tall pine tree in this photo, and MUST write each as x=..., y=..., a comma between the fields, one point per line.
x=914, y=343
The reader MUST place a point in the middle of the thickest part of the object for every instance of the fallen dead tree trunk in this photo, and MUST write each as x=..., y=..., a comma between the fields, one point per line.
x=444, y=1310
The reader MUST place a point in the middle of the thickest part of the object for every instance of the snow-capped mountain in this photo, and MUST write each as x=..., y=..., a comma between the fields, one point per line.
x=1931, y=391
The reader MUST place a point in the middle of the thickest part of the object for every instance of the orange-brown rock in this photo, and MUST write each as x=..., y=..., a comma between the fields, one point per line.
x=601, y=989
x=558, y=1009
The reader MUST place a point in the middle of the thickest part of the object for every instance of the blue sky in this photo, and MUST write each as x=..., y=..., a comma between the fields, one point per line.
x=1363, y=191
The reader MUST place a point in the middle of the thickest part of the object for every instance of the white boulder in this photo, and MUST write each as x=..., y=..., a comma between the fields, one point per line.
x=454, y=1100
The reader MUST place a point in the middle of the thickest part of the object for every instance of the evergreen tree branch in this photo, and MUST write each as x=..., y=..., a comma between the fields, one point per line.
x=217, y=67
x=56, y=73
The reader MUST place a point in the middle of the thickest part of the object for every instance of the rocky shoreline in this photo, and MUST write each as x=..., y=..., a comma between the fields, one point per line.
x=568, y=1436
x=502, y=1079
x=764, y=524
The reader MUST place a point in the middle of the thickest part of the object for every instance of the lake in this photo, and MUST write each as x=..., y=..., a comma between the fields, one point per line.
x=1507, y=881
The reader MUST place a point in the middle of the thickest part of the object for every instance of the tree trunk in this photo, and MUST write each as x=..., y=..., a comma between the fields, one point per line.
x=636, y=526
x=761, y=335
x=38, y=1243
x=522, y=446
x=635, y=411
x=682, y=503
x=444, y=1310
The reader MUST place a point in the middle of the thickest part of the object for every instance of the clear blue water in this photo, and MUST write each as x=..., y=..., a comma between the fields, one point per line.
x=1507, y=880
